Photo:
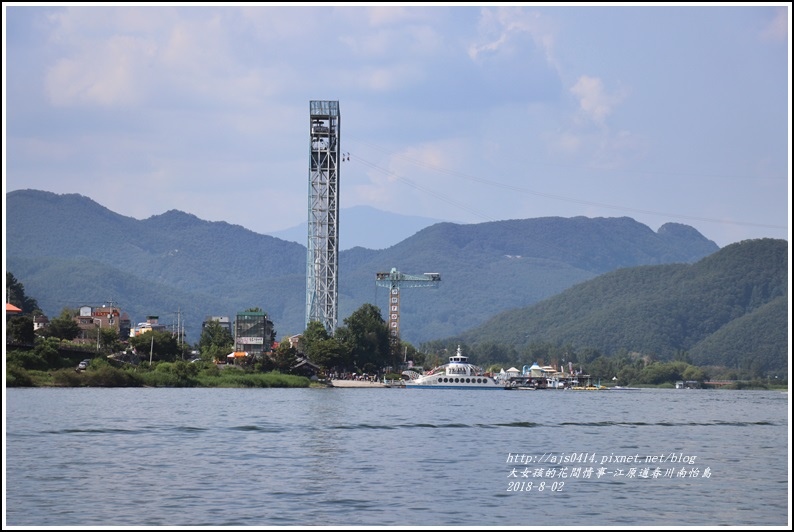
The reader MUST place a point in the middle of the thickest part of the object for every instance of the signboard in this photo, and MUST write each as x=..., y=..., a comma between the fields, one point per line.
x=248, y=340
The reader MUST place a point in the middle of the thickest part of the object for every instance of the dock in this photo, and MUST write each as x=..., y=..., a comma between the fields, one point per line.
x=343, y=383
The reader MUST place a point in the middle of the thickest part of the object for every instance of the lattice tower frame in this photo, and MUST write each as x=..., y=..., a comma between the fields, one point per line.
x=322, y=260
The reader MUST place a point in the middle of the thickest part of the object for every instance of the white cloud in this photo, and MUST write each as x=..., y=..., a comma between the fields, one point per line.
x=117, y=59
x=108, y=74
x=500, y=28
x=594, y=100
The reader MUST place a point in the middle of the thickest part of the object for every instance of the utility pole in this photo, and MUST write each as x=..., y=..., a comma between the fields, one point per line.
x=179, y=332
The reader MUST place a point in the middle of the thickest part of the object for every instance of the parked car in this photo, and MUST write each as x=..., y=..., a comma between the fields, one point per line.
x=84, y=364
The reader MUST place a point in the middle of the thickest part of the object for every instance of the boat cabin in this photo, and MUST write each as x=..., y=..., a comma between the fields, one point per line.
x=459, y=365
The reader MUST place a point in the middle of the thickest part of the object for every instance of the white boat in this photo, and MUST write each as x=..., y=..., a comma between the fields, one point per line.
x=457, y=373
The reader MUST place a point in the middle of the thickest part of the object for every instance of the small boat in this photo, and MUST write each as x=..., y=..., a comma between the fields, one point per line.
x=624, y=389
x=590, y=387
x=457, y=373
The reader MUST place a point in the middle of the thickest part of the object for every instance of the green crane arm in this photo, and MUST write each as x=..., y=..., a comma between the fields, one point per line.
x=395, y=279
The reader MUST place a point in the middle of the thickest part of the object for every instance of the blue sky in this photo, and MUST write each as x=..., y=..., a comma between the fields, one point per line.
x=666, y=113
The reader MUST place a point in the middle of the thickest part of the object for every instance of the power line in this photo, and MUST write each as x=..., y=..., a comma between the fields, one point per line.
x=426, y=190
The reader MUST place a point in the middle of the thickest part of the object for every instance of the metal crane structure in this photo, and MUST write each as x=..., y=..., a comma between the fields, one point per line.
x=394, y=280
x=323, y=244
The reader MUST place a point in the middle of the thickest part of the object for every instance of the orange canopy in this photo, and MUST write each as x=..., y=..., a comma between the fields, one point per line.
x=11, y=308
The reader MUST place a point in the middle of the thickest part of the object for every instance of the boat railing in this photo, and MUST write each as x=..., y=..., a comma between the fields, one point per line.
x=412, y=375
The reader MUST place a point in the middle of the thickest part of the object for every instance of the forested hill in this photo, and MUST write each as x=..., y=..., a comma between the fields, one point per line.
x=68, y=251
x=728, y=309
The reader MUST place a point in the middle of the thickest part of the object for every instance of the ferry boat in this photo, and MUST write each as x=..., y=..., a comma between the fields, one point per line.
x=457, y=373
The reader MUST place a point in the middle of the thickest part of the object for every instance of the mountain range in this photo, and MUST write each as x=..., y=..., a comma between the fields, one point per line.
x=69, y=251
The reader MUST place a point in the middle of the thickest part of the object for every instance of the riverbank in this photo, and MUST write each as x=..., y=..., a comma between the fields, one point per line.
x=165, y=377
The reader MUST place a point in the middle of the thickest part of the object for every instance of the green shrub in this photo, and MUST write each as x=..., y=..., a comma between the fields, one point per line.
x=169, y=379
x=18, y=377
x=107, y=376
x=208, y=369
x=26, y=360
x=67, y=377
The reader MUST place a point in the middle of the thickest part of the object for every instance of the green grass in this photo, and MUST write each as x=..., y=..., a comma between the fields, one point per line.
x=106, y=376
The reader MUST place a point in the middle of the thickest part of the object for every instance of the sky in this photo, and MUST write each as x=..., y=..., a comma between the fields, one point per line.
x=465, y=113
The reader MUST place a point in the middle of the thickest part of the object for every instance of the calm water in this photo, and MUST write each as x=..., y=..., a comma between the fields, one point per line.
x=393, y=457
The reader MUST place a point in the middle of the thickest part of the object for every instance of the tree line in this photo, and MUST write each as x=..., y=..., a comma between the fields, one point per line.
x=361, y=345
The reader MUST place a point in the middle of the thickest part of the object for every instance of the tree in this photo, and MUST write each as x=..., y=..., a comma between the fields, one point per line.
x=47, y=349
x=627, y=375
x=320, y=348
x=162, y=345
x=284, y=357
x=587, y=355
x=15, y=294
x=216, y=342
x=601, y=367
x=264, y=364
x=109, y=339
x=365, y=337
x=315, y=332
x=328, y=354
x=20, y=330
x=63, y=327
x=694, y=373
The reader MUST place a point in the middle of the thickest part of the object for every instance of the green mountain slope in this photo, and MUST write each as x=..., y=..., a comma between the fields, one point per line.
x=729, y=308
x=214, y=268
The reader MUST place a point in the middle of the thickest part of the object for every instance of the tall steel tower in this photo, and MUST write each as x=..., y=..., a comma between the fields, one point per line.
x=323, y=247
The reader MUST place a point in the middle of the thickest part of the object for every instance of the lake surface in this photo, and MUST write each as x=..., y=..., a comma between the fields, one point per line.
x=151, y=457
